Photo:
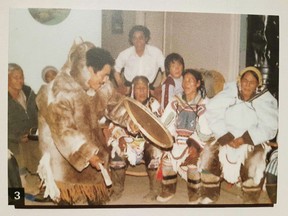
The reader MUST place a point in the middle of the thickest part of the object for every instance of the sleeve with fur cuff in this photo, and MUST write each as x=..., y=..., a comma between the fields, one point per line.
x=226, y=138
x=247, y=138
x=80, y=158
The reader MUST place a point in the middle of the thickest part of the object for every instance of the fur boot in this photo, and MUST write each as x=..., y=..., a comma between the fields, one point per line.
x=154, y=186
x=118, y=180
x=251, y=192
x=210, y=190
x=168, y=191
x=193, y=185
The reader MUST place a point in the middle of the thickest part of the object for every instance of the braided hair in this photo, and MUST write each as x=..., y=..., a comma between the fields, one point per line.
x=198, y=76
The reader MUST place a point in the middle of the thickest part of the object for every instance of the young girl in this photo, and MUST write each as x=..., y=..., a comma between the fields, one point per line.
x=174, y=67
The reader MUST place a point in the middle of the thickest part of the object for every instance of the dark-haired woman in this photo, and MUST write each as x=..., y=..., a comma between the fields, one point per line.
x=184, y=116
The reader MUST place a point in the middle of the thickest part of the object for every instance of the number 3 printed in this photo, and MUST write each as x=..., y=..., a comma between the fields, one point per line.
x=17, y=195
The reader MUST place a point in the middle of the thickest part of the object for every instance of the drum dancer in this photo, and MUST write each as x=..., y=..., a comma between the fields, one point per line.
x=132, y=149
x=244, y=118
x=184, y=117
x=71, y=140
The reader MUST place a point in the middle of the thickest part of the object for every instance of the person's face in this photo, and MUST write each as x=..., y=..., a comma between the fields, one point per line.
x=249, y=85
x=190, y=84
x=176, y=69
x=139, y=40
x=16, y=80
x=141, y=91
x=50, y=75
x=100, y=78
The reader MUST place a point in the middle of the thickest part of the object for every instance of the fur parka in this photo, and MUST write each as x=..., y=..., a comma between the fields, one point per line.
x=70, y=134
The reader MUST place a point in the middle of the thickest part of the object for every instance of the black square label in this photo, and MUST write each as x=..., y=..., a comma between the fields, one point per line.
x=16, y=196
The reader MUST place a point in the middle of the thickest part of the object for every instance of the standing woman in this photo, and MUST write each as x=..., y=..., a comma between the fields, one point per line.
x=184, y=117
x=22, y=115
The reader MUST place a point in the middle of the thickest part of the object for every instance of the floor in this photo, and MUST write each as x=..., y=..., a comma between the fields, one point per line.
x=133, y=194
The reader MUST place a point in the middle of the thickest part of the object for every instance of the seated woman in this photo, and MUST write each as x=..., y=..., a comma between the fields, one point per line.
x=243, y=118
x=132, y=149
x=184, y=116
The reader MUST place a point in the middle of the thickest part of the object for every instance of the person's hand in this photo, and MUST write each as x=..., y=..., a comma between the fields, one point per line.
x=124, y=90
x=132, y=127
x=94, y=162
x=236, y=142
x=122, y=143
x=160, y=111
x=24, y=138
x=157, y=92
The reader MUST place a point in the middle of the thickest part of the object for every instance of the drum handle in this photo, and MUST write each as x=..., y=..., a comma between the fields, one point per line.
x=105, y=175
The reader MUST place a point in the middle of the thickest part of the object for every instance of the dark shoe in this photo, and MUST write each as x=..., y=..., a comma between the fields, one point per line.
x=272, y=192
x=40, y=198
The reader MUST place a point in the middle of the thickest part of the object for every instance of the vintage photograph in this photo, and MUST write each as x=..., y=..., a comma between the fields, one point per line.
x=142, y=109
x=161, y=114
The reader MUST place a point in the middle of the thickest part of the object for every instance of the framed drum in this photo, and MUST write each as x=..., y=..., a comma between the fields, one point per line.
x=148, y=123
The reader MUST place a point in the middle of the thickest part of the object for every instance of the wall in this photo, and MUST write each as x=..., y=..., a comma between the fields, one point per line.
x=115, y=43
x=210, y=41
x=155, y=22
x=33, y=45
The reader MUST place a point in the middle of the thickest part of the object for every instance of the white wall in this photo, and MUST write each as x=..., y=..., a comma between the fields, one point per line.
x=33, y=45
x=209, y=41
x=205, y=40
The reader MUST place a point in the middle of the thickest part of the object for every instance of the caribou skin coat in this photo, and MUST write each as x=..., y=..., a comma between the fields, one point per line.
x=256, y=121
x=69, y=135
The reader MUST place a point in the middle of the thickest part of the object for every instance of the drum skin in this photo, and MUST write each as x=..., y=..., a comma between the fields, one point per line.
x=148, y=123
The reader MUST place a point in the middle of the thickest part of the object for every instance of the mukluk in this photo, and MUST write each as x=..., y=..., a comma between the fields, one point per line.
x=245, y=162
x=181, y=158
